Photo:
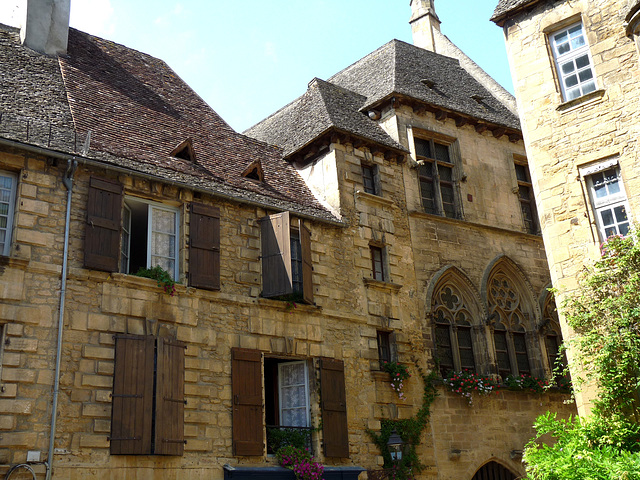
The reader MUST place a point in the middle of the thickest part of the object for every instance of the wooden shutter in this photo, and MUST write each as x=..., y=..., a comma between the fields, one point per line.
x=248, y=410
x=307, y=266
x=204, y=247
x=104, y=217
x=132, y=397
x=276, y=255
x=169, y=432
x=334, y=408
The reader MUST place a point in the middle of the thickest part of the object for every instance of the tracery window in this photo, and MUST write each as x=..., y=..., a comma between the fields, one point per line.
x=453, y=331
x=509, y=326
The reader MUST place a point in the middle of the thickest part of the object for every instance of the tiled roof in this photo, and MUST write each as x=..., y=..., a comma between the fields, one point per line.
x=505, y=7
x=398, y=68
x=138, y=111
x=321, y=108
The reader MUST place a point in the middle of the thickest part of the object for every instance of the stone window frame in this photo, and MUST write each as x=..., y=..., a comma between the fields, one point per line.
x=9, y=198
x=453, y=163
x=611, y=202
x=561, y=59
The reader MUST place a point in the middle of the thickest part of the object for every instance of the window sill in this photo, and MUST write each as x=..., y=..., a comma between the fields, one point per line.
x=587, y=99
x=13, y=262
x=370, y=197
x=380, y=285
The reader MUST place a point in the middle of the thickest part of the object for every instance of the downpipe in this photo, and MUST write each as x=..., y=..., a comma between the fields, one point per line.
x=67, y=180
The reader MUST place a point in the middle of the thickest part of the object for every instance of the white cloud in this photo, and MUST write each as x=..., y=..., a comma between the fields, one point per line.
x=93, y=16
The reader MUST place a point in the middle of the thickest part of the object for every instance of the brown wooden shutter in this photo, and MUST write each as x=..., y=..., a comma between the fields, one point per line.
x=334, y=408
x=104, y=217
x=246, y=389
x=204, y=247
x=132, y=402
x=307, y=265
x=276, y=255
x=169, y=432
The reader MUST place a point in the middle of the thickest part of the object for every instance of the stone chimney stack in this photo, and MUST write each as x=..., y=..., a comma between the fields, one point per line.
x=424, y=21
x=46, y=26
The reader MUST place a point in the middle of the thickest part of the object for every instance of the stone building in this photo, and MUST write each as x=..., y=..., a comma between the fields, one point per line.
x=575, y=74
x=385, y=215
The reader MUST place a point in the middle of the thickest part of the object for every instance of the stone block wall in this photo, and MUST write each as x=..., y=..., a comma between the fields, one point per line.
x=561, y=137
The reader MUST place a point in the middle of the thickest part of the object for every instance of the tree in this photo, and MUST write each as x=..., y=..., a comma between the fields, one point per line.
x=605, y=315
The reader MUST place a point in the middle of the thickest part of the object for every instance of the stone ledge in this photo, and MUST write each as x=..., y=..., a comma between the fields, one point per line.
x=592, y=97
x=380, y=285
x=371, y=198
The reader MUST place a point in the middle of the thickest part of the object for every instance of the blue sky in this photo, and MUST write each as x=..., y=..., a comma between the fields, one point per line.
x=249, y=58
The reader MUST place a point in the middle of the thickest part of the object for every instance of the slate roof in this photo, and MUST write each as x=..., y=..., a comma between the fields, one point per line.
x=138, y=111
x=323, y=107
x=395, y=69
x=505, y=7
x=400, y=68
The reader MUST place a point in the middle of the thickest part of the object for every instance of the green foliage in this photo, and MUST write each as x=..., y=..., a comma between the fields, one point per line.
x=605, y=313
x=399, y=374
x=467, y=384
x=410, y=431
x=161, y=276
x=526, y=383
x=278, y=437
x=584, y=450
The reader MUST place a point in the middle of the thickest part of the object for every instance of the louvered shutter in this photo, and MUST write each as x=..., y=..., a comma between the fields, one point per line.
x=276, y=255
x=307, y=266
x=102, y=232
x=169, y=431
x=132, y=397
x=246, y=389
x=334, y=408
x=204, y=247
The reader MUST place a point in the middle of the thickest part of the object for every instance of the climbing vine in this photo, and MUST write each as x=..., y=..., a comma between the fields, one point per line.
x=410, y=431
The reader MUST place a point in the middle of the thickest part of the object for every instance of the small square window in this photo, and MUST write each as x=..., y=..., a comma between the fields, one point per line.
x=377, y=263
x=370, y=179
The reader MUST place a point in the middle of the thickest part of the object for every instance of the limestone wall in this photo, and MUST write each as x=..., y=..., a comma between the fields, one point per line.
x=563, y=136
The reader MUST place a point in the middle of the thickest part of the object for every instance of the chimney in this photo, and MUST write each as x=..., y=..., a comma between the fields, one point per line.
x=424, y=21
x=46, y=27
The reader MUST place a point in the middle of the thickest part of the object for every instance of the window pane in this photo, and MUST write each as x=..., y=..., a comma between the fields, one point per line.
x=589, y=87
x=522, y=172
x=520, y=346
x=466, y=349
x=582, y=61
x=568, y=68
x=444, y=353
x=571, y=81
x=624, y=228
x=446, y=173
x=606, y=216
x=4, y=208
x=423, y=148
x=442, y=153
x=621, y=213
x=164, y=221
x=502, y=354
x=293, y=394
x=585, y=75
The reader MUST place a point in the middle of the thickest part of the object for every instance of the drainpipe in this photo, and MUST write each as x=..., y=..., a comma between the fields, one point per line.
x=67, y=180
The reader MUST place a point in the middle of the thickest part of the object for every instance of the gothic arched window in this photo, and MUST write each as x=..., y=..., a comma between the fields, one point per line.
x=453, y=333
x=509, y=325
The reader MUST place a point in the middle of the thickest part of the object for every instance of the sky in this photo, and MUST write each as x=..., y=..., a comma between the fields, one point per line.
x=249, y=58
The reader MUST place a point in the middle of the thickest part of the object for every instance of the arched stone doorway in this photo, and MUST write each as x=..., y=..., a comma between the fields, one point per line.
x=494, y=471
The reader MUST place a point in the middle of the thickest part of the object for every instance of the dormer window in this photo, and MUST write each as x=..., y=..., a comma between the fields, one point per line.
x=184, y=151
x=254, y=172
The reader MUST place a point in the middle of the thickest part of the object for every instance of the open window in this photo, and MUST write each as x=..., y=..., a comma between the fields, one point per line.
x=370, y=179
x=126, y=233
x=147, y=408
x=286, y=401
x=286, y=258
x=149, y=236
